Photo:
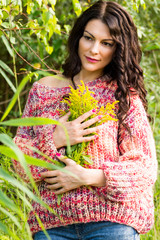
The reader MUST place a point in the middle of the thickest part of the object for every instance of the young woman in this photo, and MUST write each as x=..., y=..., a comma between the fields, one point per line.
x=103, y=52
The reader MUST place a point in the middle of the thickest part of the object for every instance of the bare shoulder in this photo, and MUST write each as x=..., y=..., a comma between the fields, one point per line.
x=56, y=81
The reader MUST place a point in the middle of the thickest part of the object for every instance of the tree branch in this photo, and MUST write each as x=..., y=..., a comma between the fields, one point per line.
x=49, y=69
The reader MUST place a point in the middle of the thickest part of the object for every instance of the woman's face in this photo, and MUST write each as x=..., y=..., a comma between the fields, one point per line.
x=96, y=47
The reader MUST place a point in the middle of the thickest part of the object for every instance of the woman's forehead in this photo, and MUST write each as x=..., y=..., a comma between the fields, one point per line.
x=97, y=28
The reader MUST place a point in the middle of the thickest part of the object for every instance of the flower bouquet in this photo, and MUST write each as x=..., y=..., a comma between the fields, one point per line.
x=80, y=101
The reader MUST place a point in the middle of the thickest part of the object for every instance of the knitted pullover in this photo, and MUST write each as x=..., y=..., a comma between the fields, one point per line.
x=129, y=163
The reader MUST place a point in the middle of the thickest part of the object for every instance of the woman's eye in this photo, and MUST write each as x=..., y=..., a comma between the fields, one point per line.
x=107, y=44
x=87, y=37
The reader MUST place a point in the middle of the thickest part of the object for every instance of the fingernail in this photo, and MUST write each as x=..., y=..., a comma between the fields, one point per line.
x=99, y=117
x=96, y=136
x=58, y=154
x=94, y=110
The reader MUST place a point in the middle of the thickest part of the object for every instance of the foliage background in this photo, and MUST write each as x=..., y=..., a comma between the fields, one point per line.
x=33, y=37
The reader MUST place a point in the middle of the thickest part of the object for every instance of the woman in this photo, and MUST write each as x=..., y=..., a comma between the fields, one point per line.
x=103, y=52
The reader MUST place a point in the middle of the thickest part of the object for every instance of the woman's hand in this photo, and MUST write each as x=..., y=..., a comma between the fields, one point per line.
x=61, y=182
x=76, y=129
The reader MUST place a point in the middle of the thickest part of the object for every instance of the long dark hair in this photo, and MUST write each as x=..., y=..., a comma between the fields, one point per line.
x=124, y=67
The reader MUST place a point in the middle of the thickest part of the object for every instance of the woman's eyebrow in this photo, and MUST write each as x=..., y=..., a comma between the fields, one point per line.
x=107, y=39
x=89, y=33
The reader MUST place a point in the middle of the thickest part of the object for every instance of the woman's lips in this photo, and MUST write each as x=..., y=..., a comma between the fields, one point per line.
x=93, y=60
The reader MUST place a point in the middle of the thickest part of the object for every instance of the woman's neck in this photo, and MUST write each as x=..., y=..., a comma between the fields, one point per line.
x=86, y=77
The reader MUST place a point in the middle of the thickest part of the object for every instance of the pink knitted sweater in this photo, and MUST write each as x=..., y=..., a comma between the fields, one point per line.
x=129, y=164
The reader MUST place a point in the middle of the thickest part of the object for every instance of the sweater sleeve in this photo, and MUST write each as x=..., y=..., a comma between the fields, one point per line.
x=136, y=170
x=39, y=137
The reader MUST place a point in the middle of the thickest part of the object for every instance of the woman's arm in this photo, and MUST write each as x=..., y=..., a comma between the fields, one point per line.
x=26, y=138
x=49, y=138
x=136, y=170
x=62, y=182
x=127, y=179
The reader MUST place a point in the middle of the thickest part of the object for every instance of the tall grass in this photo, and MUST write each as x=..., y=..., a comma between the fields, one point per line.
x=15, y=194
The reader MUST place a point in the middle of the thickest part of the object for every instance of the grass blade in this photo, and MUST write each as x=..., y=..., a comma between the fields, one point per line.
x=11, y=216
x=30, y=160
x=5, y=139
x=6, y=68
x=8, y=231
x=6, y=43
x=15, y=97
x=7, y=202
x=8, y=80
x=14, y=182
x=42, y=227
x=34, y=121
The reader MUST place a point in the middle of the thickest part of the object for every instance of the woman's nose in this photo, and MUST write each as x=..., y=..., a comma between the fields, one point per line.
x=95, y=48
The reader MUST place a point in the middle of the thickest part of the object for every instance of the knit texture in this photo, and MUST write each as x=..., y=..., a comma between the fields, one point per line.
x=129, y=163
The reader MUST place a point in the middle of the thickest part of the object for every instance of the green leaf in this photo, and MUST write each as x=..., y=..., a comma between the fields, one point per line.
x=5, y=25
x=8, y=231
x=13, y=40
x=52, y=2
x=44, y=73
x=49, y=49
x=46, y=16
x=8, y=80
x=22, y=196
x=15, y=97
x=7, y=202
x=31, y=121
x=1, y=33
x=39, y=2
x=14, y=182
x=42, y=227
x=67, y=28
x=152, y=46
x=59, y=197
x=6, y=43
x=30, y=6
x=88, y=160
x=34, y=121
x=11, y=216
x=6, y=68
x=5, y=139
x=4, y=3
x=77, y=7
x=30, y=160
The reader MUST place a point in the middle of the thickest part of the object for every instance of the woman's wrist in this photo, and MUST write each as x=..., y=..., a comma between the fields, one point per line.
x=56, y=140
x=94, y=177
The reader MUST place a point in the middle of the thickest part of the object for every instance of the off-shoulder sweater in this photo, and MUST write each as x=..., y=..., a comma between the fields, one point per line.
x=128, y=161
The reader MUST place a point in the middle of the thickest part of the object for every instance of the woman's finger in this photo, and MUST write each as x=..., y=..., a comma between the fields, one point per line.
x=88, y=139
x=89, y=131
x=84, y=116
x=64, y=159
x=65, y=117
x=49, y=174
x=51, y=180
x=59, y=191
x=91, y=121
x=54, y=186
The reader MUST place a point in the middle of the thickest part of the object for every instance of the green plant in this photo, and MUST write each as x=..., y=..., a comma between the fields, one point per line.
x=79, y=102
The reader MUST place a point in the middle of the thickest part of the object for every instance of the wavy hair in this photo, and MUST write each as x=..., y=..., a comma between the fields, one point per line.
x=124, y=67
